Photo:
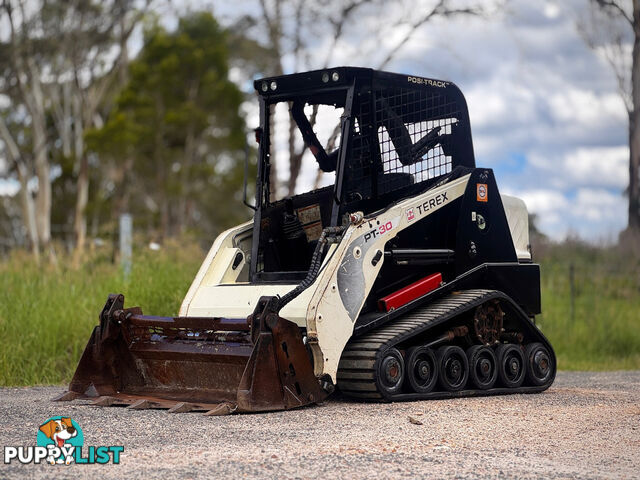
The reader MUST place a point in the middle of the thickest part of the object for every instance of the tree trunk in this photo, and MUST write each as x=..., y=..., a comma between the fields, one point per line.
x=26, y=200
x=634, y=170
x=634, y=128
x=295, y=159
x=43, y=173
x=28, y=211
x=80, y=219
x=185, y=180
x=161, y=173
x=35, y=102
x=273, y=22
x=82, y=184
x=273, y=170
x=60, y=96
x=190, y=148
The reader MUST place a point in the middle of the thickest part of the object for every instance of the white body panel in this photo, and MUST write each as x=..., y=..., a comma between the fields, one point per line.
x=239, y=301
x=220, y=291
x=329, y=308
x=216, y=265
x=518, y=218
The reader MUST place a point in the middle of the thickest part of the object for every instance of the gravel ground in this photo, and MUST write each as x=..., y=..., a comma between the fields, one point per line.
x=586, y=426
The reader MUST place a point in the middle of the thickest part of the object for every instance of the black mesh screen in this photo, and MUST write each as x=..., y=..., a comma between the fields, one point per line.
x=401, y=136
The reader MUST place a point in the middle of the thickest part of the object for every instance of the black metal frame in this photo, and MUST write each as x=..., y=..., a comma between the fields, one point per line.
x=521, y=282
x=361, y=85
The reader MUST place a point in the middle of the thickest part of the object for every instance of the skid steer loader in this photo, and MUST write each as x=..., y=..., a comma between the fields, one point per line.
x=408, y=276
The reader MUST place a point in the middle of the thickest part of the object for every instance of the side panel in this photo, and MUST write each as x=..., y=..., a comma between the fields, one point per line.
x=518, y=219
x=483, y=233
x=519, y=281
x=216, y=264
x=350, y=274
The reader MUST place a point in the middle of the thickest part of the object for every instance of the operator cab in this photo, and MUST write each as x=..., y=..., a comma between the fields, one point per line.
x=373, y=137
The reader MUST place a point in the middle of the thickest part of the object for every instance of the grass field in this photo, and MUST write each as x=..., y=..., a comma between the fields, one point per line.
x=600, y=328
x=47, y=313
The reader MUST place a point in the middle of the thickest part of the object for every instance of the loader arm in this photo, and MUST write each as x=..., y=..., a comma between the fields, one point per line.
x=346, y=282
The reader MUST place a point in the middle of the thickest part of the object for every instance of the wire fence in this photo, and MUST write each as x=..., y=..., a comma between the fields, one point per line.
x=590, y=283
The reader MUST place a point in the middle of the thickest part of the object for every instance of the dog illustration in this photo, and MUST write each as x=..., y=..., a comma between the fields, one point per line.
x=59, y=431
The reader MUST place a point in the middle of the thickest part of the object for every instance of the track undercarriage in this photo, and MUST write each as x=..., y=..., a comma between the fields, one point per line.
x=464, y=344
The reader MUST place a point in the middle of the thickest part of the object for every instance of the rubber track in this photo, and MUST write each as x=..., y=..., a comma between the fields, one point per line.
x=356, y=371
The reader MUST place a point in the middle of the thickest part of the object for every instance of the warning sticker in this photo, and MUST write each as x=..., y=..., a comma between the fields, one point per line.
x=481, y=192
x=310, y=214
x=311, y=221
x=313, y=231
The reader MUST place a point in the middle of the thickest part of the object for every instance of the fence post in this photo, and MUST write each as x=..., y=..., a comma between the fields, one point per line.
x=125, y=244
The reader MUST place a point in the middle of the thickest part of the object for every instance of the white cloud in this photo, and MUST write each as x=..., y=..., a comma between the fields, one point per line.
x=582, y=166
x=545, y=111
x=586, y=109
x=551, y=10
x=548, y=205
x=597, y=205
x=605, y=166
x=592, y=213
x=544, y=201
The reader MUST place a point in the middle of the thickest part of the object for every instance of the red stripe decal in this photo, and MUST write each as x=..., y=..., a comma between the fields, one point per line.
x=410, y=292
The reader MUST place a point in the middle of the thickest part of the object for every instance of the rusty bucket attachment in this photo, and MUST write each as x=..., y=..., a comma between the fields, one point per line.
x=217, y=365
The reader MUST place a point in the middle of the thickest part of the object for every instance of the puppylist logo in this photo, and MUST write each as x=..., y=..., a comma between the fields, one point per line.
x=60, y=441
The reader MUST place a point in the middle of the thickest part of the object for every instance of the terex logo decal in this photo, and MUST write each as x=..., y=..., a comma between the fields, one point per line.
x=414, y=213
x=411, y=216
x=430, y=204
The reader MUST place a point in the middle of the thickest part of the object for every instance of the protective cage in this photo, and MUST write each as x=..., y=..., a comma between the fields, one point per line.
x=399, y=132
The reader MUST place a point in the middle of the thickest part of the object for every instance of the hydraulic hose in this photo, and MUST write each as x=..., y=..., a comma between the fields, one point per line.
x=328, y=236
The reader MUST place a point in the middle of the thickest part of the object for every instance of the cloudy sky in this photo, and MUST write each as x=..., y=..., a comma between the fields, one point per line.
x=545, y=111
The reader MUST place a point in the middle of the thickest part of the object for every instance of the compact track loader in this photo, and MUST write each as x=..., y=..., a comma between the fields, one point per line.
x=409, y=276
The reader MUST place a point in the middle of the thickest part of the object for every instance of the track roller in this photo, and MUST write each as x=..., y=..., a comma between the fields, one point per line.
x=483, y=368
x=539, y=364
x=390, y=371
x=422, y=370
x=511, y=365
x=453, y=368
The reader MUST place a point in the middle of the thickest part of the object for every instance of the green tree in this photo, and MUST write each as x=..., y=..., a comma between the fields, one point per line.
x=59, y=60
x=614, y=32
x=175, y=137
